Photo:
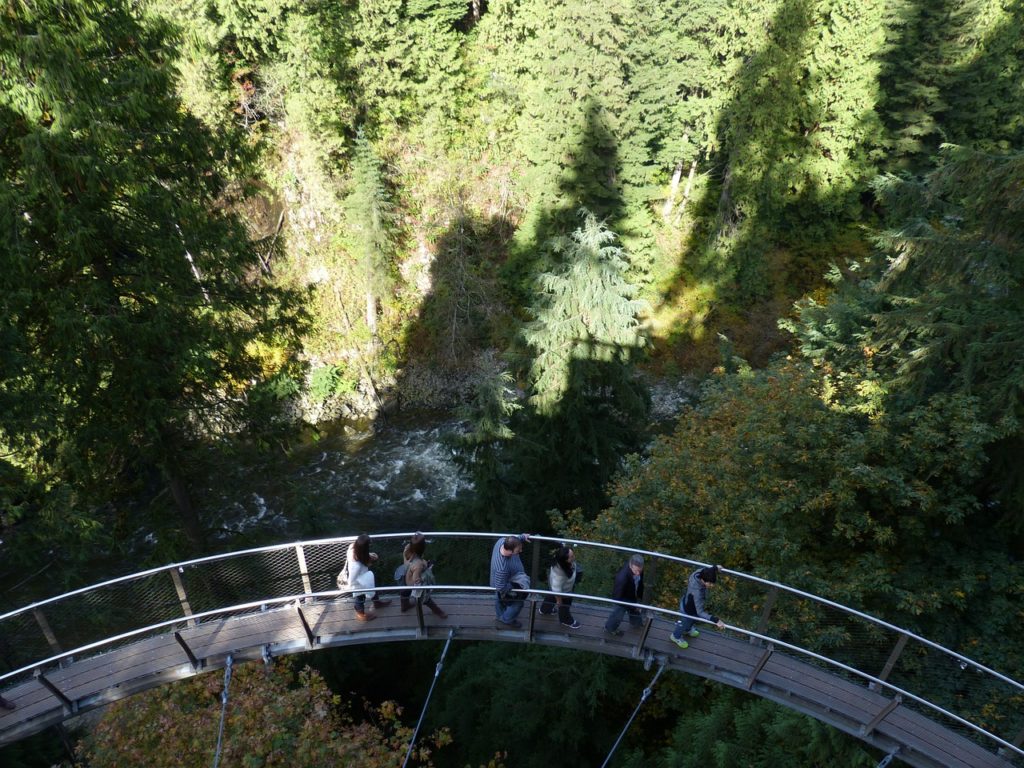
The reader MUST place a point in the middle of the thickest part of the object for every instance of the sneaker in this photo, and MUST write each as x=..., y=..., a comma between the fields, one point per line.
x=510, y=624
x=571, y=625
x=680, y=642
x=693, y=633
x=364, y=616
x=7, y=703
x=613, y=632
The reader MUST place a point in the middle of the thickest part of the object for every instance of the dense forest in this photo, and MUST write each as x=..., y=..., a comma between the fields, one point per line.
x=224, y=223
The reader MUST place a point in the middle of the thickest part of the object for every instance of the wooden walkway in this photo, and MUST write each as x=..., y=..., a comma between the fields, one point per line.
x=885, y=723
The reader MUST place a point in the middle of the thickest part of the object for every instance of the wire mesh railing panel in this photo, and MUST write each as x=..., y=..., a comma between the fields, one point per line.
x=113, y=609
x=852, y=645
x=22, y=641
x=323, y=563
x=249, y=577
x=958, y=687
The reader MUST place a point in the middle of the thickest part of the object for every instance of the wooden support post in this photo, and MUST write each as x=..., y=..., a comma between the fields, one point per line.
x=760, y=665
x=44, y=625
x=893, y=658
x=533, y=617
x=535, y=566
x=55, y=691
x=196, y=663
x=179, y=587
x=650, y=575
x=884, y=713
x=310, y=637
x=766, y=612
x=419, y=616
x=300, y=554
x=1019, y=739
x=643, y=637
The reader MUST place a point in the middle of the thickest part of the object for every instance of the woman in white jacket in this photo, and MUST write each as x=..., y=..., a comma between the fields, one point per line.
x=356, y=576
x=562, y=577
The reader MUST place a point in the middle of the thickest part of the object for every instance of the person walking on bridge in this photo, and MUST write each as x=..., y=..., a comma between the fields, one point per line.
x=693, y=603
x=562, y=577
x=505, y=564
x=357, y=577
x=629, y=588
x=418, y=572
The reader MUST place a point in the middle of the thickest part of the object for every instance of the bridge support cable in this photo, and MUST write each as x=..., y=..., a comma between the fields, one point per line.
x=888, y=758
x=223, y=710
x=426, y=703
x=643, y=697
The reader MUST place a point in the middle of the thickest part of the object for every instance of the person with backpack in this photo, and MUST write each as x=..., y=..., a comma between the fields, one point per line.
x=562, y=577
x=692, y=603
x=417, y=573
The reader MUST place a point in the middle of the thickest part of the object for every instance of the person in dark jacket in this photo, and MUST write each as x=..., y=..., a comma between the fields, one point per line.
x=693, y=603
x=629, y=588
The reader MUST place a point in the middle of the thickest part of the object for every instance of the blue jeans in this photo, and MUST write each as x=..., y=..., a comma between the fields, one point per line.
x=507, y=610
x=685, y=624
x=616, y=618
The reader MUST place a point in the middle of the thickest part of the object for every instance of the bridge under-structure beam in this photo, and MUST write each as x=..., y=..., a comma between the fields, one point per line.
x=309, y=623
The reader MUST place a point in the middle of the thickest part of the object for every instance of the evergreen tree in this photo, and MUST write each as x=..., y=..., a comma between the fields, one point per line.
x=130, y=297
x=368, y=213
x=586, y=404
x=942, y=314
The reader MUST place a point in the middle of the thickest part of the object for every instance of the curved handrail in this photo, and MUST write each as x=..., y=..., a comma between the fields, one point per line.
x=23, y=621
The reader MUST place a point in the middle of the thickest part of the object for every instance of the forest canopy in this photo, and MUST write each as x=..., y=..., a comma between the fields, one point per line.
x=224, y=222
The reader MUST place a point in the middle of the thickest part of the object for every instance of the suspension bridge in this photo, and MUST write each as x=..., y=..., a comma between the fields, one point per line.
x=913, y=699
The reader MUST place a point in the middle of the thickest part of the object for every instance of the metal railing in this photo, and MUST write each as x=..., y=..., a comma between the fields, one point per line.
x=966, y=696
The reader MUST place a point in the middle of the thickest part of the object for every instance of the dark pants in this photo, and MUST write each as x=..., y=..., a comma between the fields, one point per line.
x=618, y=612
x=564, y=614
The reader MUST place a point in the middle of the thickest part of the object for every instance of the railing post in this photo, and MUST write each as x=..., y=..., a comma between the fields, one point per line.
x=891, y=662
x=300, y=553
x=535, y=567
x=55, y=691
x=752, y=678
x=47, y=631
x=882, y=714
x=766, y=612
x=310, y=637
x=643, y=637
x=196, y=663
x=179, y=587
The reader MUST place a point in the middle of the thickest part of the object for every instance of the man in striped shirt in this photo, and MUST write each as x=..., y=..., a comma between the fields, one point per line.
x=505, y=563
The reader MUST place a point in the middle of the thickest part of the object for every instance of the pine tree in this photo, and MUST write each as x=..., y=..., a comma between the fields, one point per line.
x=131, y=299
x=368, y=213
x=586, y=404
x=942, y=313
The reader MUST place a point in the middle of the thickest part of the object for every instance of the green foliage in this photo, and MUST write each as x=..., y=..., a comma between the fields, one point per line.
x=491, y=698
x=770, y=477
x=369, y=218
x=586, y=403
x=329, y=381
x=941, y=316
x=739, y=730
x=276, y=716
x=129, y=305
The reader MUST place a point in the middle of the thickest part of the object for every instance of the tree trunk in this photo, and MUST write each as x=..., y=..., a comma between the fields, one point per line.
x=666, y=210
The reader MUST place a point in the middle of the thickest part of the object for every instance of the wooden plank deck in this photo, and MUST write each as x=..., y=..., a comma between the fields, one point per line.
x=98, y=680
